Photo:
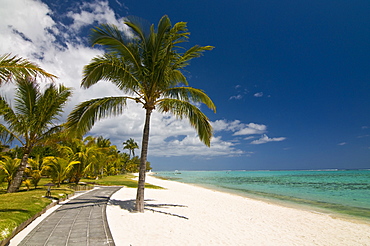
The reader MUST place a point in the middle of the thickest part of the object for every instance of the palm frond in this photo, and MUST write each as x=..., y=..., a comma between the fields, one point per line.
x=197, y=119
x=194, y=52
x=26, y=96
x=50, y=106
x=5, y=135
x=115, y=41
x=179, y=33
x=17, y=67
x=190, y=94
x=84, y=115
x=139, y=26
x=9, y=133
x=32, y=119
x=50, y=135
x=110, y=68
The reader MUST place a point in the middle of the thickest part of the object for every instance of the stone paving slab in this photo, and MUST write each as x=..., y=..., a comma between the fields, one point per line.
x=81, y=221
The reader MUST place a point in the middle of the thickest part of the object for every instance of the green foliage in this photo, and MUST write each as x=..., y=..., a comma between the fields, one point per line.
x=59, y=168
x=127, y=180
x=131, y=145
x=15, y=208
x=32, y=120
x=42, y=151
x=35, y=177
x=27, y=183
x=13, y=67
x=8, y=168
x=37, y=168
x=148, y=70
x=148, y=67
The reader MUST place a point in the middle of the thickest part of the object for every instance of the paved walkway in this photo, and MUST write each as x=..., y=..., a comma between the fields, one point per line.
x=81, y=221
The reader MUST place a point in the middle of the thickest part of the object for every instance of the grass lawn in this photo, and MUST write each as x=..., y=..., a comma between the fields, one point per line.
x=120, y=180
x=15, y=208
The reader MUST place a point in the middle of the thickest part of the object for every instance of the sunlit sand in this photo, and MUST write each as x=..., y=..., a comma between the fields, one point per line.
x=184, y=214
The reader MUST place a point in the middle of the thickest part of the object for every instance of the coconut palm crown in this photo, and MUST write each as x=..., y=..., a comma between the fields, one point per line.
x=148, y=68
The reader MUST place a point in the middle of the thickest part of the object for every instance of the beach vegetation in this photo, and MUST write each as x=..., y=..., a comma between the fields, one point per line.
x=127, y=180
x=32, y=121
x=59, y=168
x=8, y=169
x=16, y=208
x=37, y=168
x=131, y=145
x=148, y=69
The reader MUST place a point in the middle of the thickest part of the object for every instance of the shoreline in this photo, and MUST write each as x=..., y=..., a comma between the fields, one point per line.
x=186, y=214
x=296, y=203
x=337, y=210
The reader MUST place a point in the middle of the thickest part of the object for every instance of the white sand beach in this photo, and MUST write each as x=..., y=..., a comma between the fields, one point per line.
x=184, y=214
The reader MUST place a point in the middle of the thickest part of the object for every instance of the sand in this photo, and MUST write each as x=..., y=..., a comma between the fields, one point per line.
x=184, y=214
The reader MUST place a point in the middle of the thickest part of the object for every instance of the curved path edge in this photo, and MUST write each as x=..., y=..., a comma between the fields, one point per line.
x=80, y=220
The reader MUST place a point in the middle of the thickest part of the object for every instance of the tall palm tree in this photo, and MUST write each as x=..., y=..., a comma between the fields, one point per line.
x=33, y=120
x=14, y=67
x=148, y=68
x=131, y=145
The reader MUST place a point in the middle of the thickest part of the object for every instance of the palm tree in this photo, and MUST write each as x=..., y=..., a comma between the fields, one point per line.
x=86, y=155
x=36, y=171
x=33, y=120
x=131, y=145
x=9, y=167
x=59, y=168
x=147, y=68
x=18, y=67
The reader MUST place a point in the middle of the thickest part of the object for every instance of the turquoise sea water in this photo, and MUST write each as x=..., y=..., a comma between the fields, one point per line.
x=340, y=191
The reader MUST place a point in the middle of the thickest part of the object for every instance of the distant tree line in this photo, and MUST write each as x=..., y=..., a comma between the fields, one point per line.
x=68, y=161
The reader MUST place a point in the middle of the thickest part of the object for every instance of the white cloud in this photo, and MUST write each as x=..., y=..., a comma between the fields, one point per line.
x=240, y=93
x=168, y=136
x=238, y=128
x=258, y=94
x=343, y=143
x=59, y=49
x=236, y=97
x=66, y=59
x=266, y=139
x=251, y=129
x=90, y=12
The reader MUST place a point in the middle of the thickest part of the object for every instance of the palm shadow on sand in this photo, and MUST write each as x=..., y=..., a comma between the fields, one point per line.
x=129, y=205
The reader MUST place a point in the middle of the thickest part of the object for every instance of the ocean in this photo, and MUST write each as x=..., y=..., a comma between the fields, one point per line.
x=345, y=192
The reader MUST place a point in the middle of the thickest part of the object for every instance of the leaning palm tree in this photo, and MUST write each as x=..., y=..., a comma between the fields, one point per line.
x=148, y=70
x=33, y=120
x=131, y=145
x=14, y=67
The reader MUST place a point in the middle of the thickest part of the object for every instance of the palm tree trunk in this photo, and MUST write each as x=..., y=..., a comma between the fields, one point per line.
x=17, y=181
x=139, y=207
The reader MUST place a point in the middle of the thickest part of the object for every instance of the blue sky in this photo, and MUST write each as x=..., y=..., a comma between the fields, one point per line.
x=290, y=79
